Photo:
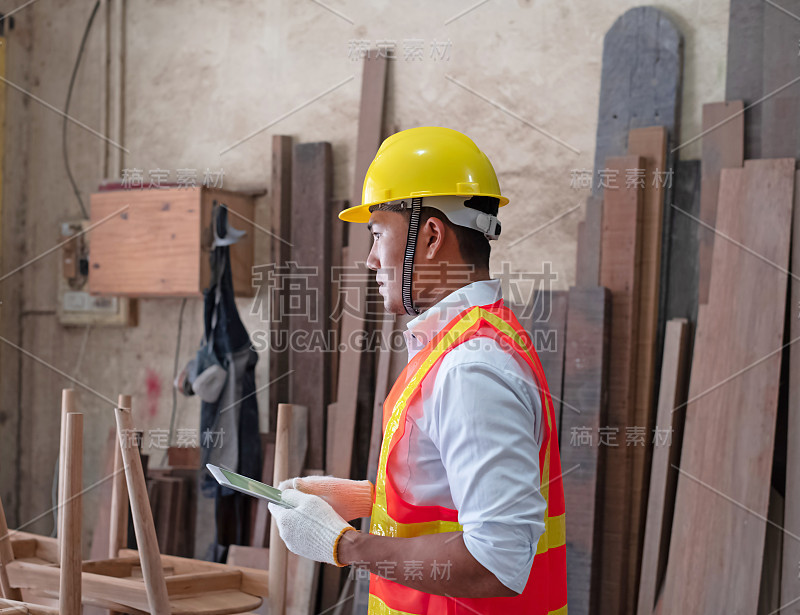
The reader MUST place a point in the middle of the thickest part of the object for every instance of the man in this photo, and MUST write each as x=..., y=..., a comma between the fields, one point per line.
x=468, y=507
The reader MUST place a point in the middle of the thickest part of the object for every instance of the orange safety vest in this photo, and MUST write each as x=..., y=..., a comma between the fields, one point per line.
x=546, y=590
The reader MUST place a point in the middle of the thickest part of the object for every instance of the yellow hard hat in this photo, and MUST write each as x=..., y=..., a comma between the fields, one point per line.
x=423, y=162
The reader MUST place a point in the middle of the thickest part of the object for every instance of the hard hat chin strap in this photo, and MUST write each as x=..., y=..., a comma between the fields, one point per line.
x=408, y=259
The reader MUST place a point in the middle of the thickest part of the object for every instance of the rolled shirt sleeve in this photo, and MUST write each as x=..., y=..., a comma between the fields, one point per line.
x=486, y=424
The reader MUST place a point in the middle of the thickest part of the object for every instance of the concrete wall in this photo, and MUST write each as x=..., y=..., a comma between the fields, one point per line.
x=200, y=76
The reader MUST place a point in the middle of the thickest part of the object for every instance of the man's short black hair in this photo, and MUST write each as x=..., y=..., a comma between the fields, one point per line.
x=473, y=245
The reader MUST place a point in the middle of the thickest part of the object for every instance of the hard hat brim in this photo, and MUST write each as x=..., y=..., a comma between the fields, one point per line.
x=361, y=213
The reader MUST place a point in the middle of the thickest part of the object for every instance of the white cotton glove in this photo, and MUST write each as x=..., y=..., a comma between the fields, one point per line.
x=312, y=528
x=350, y=498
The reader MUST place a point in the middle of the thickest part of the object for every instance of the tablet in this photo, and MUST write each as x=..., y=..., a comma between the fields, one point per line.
x=247, y=485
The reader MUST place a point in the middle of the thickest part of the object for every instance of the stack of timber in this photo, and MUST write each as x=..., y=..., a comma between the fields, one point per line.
x=699, y=358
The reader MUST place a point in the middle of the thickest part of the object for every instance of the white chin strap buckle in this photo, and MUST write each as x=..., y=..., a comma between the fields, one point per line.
x=488, y=224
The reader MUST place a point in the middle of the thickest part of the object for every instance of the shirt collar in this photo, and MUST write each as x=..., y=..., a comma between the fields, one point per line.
x=424, y=327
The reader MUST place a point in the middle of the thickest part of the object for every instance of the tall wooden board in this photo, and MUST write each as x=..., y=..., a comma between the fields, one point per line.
x=780, y=115
x=281, y=229
x=651, y=144
x=679, y=293
x=309, y=319
x=744, y=78
x=641, y=85
x=726, y=458
x=585, y=380
x=666, y=452
x=790, y=581
x=640, y=82
x=619, y=272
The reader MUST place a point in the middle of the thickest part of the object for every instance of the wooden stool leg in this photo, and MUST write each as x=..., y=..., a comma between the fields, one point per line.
x=67, y=406
x=69, y=600
x=118, y=529
x=149, y=556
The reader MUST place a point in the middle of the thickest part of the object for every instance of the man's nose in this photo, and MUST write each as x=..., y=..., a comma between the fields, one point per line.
x=372, y=260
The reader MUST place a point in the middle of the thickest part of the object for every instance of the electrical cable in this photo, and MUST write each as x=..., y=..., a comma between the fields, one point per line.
x=66, y=108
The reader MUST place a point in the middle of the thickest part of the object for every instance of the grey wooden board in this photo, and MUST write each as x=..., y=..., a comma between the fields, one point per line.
x=585, y=380
x=679, y=284
x=640, y=82
x=779, y=116
x=641, y=85
x=280, y=226
x=338, y=242
x=311, y=239
x=587, y=268
x=744, y=79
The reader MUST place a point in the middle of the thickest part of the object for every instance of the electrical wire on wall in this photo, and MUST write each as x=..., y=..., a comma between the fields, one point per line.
x=66, y=108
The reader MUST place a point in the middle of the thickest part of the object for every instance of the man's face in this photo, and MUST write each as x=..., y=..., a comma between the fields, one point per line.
x=389, y=232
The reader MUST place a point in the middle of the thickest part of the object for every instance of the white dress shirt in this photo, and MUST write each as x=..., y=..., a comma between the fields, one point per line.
x=473, y=441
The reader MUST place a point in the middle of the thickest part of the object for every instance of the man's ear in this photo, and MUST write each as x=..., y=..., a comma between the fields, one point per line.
x=432, y=236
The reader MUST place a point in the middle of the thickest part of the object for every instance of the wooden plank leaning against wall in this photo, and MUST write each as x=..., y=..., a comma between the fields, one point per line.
x=730, y=422
x=311, y=239
x=663, y=477
x=651, y=144
x=790, y=578
x=582, y=462
x=619, y=272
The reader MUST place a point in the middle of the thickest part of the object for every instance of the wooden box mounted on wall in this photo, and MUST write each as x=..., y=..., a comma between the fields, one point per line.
x=156, y=242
